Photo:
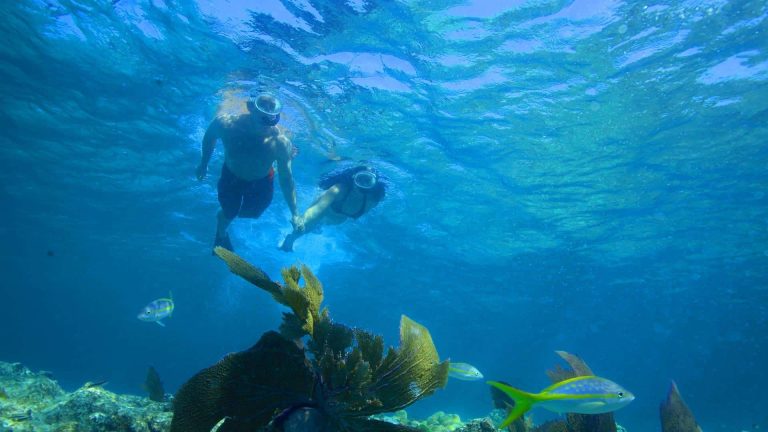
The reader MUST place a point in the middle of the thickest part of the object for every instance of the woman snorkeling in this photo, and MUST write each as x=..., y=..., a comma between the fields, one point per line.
x=349, y=193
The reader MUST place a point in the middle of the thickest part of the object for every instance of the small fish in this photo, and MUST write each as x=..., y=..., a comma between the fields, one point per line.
x=464, y=372
x=581, y=395
x=91, y=384
x=157, y=310
x=20, y=416
x=218, y=425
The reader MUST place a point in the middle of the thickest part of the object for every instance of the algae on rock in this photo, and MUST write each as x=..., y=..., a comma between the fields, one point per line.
x=340, y=379
x=36, y=403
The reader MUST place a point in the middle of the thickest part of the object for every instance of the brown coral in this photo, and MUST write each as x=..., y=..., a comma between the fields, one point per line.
x=250, y=387
x=153, y=386
x=675, y=414
x=553, y=426
x=341, y=378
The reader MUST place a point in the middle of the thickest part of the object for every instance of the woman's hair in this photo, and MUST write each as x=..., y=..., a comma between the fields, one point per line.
x=344, y=176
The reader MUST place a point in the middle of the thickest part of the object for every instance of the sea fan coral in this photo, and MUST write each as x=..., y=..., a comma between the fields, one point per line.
x=340, y=379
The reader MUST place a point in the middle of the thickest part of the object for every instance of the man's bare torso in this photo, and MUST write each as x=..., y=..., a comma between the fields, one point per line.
x=249, y=148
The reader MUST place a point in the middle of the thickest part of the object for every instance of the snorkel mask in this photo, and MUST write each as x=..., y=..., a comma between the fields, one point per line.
x=268, y=106
x=365, y=180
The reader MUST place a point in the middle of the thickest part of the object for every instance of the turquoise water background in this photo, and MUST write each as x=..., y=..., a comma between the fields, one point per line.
x=586, y=175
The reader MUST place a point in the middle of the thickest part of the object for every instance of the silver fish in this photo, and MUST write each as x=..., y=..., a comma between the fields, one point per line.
x=464, y=371
x=157, y=310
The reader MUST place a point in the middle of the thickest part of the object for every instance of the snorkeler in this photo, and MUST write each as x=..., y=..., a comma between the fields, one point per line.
x=349, y=193
x=252, y=142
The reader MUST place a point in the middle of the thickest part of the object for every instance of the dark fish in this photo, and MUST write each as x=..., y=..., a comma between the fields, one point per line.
x=95, y=384
x=21, y=415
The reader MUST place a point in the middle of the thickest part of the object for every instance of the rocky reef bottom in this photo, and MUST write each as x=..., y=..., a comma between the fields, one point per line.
x=34, y=401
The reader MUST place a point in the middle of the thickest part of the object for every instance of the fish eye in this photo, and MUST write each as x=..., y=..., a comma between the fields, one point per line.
x=146, y=313
x=621, y=394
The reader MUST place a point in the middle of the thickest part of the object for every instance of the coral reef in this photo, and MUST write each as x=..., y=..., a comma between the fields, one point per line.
x=440, y=422
x=675, y=414
x=35, y=402
x=479, y=425
x=153, y=386
x=340, y=379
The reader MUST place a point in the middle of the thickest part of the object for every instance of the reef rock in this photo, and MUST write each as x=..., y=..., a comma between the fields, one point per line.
x=478, y=425
x=553, y=426
x=35, y=402
x=675, y=414
x=441, y=422
x=28, y=389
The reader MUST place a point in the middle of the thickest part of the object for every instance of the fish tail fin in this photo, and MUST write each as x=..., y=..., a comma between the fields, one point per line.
x=170, y=297
x=523, y=402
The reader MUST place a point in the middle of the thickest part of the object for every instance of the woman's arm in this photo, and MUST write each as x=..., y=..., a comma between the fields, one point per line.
x=312, y=216
x=318, y=209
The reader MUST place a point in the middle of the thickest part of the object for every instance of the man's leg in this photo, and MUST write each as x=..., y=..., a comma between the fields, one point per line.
x=222, y=222
x=230, y=192
x=222, y=237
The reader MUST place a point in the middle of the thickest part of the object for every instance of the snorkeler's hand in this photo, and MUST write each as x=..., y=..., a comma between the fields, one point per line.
x=298, y=223
x=201, y=172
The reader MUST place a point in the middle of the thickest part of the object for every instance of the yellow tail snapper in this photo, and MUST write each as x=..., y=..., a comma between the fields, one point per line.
x=464, y=371
x=580, y=395
x=157, y=310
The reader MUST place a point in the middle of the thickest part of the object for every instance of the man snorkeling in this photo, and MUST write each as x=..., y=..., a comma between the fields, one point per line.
x=252, y=142
x=349, y=193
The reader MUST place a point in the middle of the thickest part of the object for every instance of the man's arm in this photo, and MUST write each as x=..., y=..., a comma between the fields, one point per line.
x=287, y=185
x=209, y=142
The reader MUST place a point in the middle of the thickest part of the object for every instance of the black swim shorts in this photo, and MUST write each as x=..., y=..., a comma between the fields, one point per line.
x=247, y=199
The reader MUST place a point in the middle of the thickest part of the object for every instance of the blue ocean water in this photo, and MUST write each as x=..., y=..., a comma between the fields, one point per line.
x=585, y=175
